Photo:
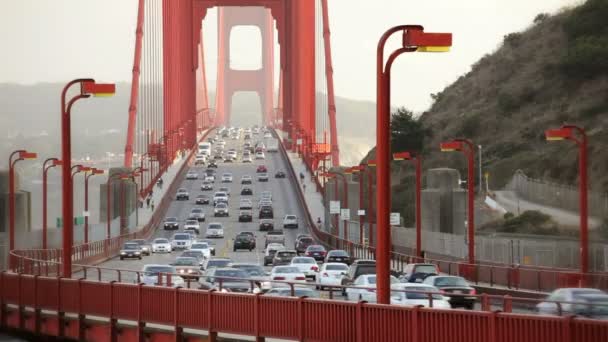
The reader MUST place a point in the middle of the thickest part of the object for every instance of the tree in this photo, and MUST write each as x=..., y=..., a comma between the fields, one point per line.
x=407, y=133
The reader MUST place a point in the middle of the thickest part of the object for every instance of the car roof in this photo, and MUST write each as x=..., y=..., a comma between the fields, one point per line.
x=405, y=285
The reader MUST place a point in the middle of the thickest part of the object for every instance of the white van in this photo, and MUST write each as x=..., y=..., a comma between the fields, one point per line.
x=204, y=148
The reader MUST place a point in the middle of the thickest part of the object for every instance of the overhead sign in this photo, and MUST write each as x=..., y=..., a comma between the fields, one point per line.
x=361, y=212
x=395, y=219
x=345, y=214
x=86, y=214
x=334, y=207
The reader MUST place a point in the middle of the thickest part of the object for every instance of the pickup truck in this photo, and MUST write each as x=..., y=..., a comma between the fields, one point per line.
x=275, y=236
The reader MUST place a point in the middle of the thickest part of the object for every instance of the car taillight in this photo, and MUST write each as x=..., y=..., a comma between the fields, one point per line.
x=442, y=291
x=325, y=274
x=473, y=292
x=314, y=268
x=278, y=278
x=300, y=278
x=308, y=253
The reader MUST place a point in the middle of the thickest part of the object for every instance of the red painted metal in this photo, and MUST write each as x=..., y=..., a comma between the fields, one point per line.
x=52, y=162
x=11, y=197
x=131, y=126
x=416, y=38
x=329, y=74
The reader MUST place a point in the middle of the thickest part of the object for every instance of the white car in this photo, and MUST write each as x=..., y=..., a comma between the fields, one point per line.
x=290, y=221
x=191, y=175
x=209, y=179
x=306, y=265
x=225, y=190
x=200, y=159
x=247, y=179
x=260, y=155
x=220, y=197
x=227, y=177
x=192, y=225
x=363, y=288
x=150, y=275
x=245, y=204
x=267, y=135
x=231, y=154
x=215, y=230
x=161, y=245
x=266, y=194
x=221, y=209
x=202, y=247
x=332, y=273
x=418, y=298
x=581, y=295
x=284, y=273
x=247, y=159
x=181, y=241
x=262, y=177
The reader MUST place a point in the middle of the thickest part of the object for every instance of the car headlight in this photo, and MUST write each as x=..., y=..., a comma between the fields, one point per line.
x=137, y=253
x=190, y=271
x=123, y=253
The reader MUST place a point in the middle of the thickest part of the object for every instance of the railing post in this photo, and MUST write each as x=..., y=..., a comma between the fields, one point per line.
x=359, y=321
x=212, y=334
x=2, y=303
x=140, y=324
x=507, y=305
x=300, y=317
x=178, y=329
x=60, y=312
x=256, y=319
x=485, y=306
x=414, y=325
x=113, y=321
x=81, y=320
x=37, y=310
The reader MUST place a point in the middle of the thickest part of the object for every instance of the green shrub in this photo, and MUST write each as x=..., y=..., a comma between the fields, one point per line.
x=596, y=109
x=586, y=57
x=541, y=17
x=508, y=215
x=470, y=126
x=588, y=19
x=507, y=103
x=513, y=39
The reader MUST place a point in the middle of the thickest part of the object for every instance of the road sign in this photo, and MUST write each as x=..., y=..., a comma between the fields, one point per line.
x=299, y=142
x=345, y=214
x=361, y=212
x=334, y=207
x=395, y=219
x=86, y=214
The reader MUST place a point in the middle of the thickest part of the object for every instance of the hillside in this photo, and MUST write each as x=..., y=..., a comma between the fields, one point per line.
x=554, y=72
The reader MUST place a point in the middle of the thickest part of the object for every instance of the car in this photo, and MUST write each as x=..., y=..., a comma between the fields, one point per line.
x=246, y=159
x=231, y=153
x=303, y=243
x=245, y=204
x=331, y=274
x=225, y=190
x=210, y=173
x=200, y=159
x=218, y=156
x=401, y=295
x=181, y=241
x=246, y=191
x=202, y=247
x=220, y=197
x=283, y=257
x=215, y=230
x=171, y=223
x=226, y=279
x=161, y=245
x=192, y=225
x=197, y=214
x=265, y=203
x=227, y=177
x=266, y=212
x=296, y=292
x=130, y=250
x=254, y=271
x=338, y=255
x=182, y=194
x=187, y=267
x=266, y=225
x=202, y=199
x=280, y=174
x=212, y=164
x=580, y=300
x=216, y=262
x=306, y=265
x=228, y=159
x=290, y=221
x=259, y=155
x=198, y=255
x=417, y=272
x=245, y=216
x=316, y=251
x=463, y=294
x=206, y=186
x=210, y=243
x=362, y=288
x=143, y=245
x=267, y=135
x=283, y=273
x=154, y=274
x=356, y=269
x=221, y=209
x=243, y=241
x=261, y=169
x=263, y=177
x=275, y=236
x=246, y=179
x=266, y=194
x=191, y=175
x=270, y=251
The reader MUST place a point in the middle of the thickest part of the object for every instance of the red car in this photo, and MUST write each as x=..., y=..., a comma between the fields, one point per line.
x=262, y=168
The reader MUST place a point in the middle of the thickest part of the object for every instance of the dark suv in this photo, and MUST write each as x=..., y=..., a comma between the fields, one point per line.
x=243, y=241
x=266, y=212
x=357, y=268
x=283, y=257
x=303, y=243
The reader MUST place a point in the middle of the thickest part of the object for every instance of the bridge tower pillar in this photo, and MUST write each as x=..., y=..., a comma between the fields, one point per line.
x=231, y=81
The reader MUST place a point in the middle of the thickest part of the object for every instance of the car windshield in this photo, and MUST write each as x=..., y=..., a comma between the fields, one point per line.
x=232, y=273
x=336, y=267
x=139, y=242
x=199, y=246
x=281, y=270
x=182, y=237
x=338, y=253
x=252, y=270
x=193, y=254
x=425, y=269
x=582, y=292
x=217, y=263
x=171, y=219
x=192, y=222
x=450, y=281
x=366, y=269
x=215, y=226
x=186, y=262
x=316, y=248
x=155, y=270
x=413, y=295
x=197, y=211
x=290, y=217
x=303, y=261
x=182, y=190
x=161, y=241
x=286, y=254
x=131, y=246
x=274, y=232
x=221, y=205
x=305, y=240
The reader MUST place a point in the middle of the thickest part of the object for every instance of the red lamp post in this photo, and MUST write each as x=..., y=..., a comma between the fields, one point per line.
x=329, y=175
x=93, y=172
x=414, y=39
x=48, y=163
x=569, y=132
x=418, y=160
x=468, y=148
x=370, y=202
x=21, y=155
x=88, y=87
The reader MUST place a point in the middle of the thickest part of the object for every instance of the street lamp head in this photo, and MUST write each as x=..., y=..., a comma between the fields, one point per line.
x=57, y=162
x=451, y=146
x=426, y=42
x=98, y=172
x=98, y=89
x=558, y=134
x=85, y=169
x=372, y=163
x=402, y=156
x=25, y=155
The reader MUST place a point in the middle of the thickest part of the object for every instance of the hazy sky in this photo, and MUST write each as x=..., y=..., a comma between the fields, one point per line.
x=50, y=41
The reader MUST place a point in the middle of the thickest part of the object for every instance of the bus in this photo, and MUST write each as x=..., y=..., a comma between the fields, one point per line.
x=204, y=148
